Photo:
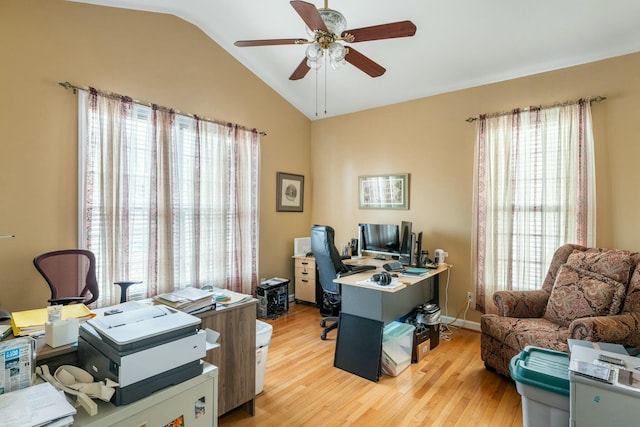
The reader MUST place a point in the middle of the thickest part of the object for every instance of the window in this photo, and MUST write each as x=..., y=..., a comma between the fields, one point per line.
x=534, y=191
x=165, y=198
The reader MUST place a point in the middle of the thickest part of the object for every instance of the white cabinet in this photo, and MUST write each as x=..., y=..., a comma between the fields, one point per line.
x=194, y=400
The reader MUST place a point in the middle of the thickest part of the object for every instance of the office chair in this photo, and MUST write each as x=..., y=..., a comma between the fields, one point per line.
x=70, y=274
x=61, y=267
x=329, y=265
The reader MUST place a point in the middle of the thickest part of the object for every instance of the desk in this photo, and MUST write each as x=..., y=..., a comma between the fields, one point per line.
x=236, y=357
x=365, y=309
x=387, y=305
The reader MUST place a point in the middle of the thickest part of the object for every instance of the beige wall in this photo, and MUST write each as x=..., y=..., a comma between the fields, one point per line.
x=162, y=59
x=151, y=57
x=430, y=139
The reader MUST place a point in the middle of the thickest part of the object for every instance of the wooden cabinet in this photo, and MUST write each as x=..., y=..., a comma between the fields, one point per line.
x=236, y=357
x=305, y=279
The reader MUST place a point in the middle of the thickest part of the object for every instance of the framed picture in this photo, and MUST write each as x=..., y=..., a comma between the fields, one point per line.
x=289, y=192
x=384, y=191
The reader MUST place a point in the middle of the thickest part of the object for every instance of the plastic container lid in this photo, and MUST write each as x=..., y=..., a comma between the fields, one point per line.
x=263, y=333
x=542, y=368
x=396, y=330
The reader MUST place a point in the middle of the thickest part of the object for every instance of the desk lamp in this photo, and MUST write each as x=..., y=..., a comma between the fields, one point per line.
x=3, y=314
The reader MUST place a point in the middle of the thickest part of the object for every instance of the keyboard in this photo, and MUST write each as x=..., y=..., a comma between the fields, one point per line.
x=359, y=268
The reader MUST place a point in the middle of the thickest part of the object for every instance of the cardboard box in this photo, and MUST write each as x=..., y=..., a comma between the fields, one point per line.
x=420, y=337
x=421, y=350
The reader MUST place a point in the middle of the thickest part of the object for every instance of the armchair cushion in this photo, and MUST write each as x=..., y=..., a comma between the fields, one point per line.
x=612, y=263
x=580, y=293
x=521, y=303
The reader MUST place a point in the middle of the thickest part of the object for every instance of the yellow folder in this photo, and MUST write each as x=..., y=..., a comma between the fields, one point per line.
x=30, y=322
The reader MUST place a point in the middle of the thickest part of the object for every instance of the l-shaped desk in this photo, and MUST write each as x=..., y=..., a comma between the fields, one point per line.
x=366, y=309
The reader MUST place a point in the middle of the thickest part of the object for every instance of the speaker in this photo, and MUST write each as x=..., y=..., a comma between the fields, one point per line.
x=407, y=258
x=418, y=256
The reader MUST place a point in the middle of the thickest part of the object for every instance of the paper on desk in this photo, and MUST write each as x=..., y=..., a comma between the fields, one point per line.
x=395, y=283
x=233, y=298
x=34, y=406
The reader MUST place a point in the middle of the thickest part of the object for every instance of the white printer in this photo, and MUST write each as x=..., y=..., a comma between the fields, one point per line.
x=142, y=347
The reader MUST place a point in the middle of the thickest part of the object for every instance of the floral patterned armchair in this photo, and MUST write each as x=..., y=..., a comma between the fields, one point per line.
x=590, y=294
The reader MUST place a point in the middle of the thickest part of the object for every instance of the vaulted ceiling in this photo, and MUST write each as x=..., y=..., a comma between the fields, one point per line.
x=458, y=43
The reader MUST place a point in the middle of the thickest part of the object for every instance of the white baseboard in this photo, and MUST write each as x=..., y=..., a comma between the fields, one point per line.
x=292, y=297
x=467, y=324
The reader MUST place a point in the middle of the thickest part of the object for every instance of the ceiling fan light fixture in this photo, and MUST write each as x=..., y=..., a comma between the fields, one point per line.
x=337, y=51
x=314, y=52
x=314, y=65
x=336, y=65
x=335, y=21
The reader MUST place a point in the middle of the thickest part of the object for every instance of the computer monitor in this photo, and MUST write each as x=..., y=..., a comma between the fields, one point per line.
x=380, y=239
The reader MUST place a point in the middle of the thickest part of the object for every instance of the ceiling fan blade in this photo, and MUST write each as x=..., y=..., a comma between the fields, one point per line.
x=268, y=42
x=367, y=65
x=384, y=31
x=309, y=15
x=301, y=71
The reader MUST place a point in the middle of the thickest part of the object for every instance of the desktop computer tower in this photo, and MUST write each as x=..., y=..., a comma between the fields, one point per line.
x=273, y=298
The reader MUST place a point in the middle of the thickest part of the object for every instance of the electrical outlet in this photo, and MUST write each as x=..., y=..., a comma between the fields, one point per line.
x=469, y=296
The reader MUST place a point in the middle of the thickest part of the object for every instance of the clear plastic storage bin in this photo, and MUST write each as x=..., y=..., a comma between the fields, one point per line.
x=397, y=346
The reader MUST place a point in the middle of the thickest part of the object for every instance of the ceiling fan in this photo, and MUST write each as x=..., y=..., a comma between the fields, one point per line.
x=327, y=27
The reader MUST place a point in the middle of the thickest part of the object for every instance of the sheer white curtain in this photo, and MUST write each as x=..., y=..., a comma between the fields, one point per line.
x=165, y=198
x=534, y=191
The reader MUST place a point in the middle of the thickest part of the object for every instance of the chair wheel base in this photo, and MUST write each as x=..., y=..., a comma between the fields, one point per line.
x=323, y=323
x=323, y=336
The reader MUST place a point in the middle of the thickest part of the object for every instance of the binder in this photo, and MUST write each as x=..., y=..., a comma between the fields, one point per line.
x=31, y=322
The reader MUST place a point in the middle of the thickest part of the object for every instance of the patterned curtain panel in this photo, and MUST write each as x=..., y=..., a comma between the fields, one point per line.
x=165, y=198
x=534, y=191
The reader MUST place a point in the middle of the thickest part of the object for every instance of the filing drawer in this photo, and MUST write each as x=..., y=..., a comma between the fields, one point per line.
x=305, y=279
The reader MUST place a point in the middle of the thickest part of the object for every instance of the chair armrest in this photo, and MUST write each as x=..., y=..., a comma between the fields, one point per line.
x=521, y=303
x=619, y=329
x=65, y=300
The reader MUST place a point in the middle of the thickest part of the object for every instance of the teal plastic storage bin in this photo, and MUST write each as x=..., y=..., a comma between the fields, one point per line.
x=542, y=379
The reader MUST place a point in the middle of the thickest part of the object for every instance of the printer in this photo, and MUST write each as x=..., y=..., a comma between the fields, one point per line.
x=142, y=347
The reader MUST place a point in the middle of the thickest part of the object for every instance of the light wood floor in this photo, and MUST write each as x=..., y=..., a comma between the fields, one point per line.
x=449, y=387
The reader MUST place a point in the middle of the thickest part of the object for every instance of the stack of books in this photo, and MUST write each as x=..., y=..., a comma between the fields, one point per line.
x=190, y=300
x=415, y=272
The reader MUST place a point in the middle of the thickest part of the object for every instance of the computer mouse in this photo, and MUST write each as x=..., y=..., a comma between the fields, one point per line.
x=394, y=275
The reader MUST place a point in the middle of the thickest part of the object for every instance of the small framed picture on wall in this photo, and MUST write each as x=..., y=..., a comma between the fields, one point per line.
x=289, y=192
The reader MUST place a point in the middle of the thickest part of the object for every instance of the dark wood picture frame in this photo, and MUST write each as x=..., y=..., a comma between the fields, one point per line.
x=289, y=192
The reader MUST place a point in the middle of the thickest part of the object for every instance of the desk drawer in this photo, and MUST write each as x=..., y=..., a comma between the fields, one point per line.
x=306, y=263
x=306, y=288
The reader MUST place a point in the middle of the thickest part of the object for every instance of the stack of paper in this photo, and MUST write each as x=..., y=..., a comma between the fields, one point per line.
x=38, y=405
x=227, y=298
x=189, y=300
x=31, y=322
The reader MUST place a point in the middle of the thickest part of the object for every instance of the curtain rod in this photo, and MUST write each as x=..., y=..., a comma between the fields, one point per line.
x=557, y=104
x=75, y=89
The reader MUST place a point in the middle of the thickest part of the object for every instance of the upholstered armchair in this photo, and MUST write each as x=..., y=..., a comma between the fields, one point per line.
x=590, y=294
